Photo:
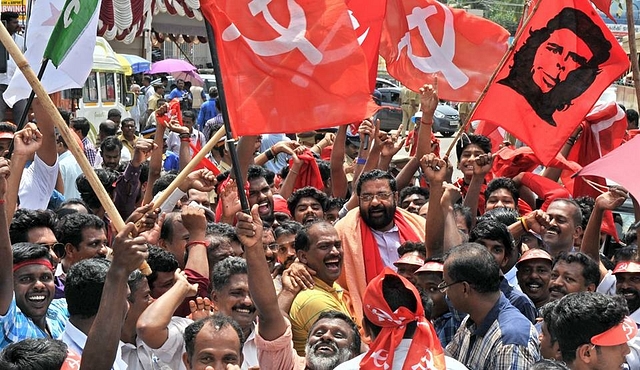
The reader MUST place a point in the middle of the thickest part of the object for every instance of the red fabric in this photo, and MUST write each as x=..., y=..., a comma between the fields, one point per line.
x=603, y=131
x=174, y=110
x=309, y=174
x=630, y=134
x=410, y=143
x=373, y=264
x=312, y=72
x=493, y=132
x=544, y=188
x=367, y=16
x=425, y=351
x=203, y=291
x=604, y=6
x=280, y=205
x=72, y=361
x=421, y=38
x=509, y=162
x=205, y=162
x=516, y=100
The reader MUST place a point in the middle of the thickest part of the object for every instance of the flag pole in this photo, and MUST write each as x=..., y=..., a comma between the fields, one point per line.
x=23, y=119
x=231, y=142
x=65, y=132
x=493, y=77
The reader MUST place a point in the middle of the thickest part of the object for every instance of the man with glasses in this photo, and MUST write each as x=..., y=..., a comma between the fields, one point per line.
x=495, y=335
x=319, y=247
x=375, y=229
x=83, y=236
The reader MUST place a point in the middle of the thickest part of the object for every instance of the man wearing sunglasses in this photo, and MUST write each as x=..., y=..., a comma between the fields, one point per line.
x=495, y=335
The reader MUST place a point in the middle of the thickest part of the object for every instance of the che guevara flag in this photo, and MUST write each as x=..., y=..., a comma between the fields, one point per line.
x=289, y=66
x=564, y=60
x=65, y=33
x=425, y=38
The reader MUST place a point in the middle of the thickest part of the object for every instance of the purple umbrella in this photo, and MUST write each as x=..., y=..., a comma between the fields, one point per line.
x=171, y=66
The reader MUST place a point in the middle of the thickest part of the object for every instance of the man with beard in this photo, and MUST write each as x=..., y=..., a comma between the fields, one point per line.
x=318, y=247
x=572, y=273
x=260, y=192
x=333, y=339
x=285, y=235
x=628, y=285
x=374, y=229
x=307, y=204
x=534, y=275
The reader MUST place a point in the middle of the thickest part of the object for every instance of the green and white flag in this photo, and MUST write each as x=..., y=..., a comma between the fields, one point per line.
x=67, y=30
x=74, y=19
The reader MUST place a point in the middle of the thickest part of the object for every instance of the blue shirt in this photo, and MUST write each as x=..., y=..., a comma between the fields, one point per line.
x=207, y=111
x=177, y=93
x=16, y=326
x=519, y=300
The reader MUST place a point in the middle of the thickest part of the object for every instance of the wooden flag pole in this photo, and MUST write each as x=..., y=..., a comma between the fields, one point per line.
x=65, y=132
x=189, y=167
x=493, y=77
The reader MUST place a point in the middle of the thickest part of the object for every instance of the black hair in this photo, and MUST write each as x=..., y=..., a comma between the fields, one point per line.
x=410, y=246
x=502, y=183
x=598, y=311
x=69, y=228
x=222, y=229
x=160, y=260
x=135, y=280
x=25, y=220
x=110, y=143
x=306, y=192
x=503, y=215
x=82, y=124
x=303, y=239
x=7, y=16
x=410, y=190
x=629, y=253
x=225, y=269
x=256, y=172
x=493, y=230
x=83, y=286
x=163, y=182
x=34, y=354
x=632, y=118
x=6, y=126
x=108, y=128
x=335, y=203
x=586, y=204
x=376, y=175
x=29, y=251
x=472, y=262
x=325, y=170
x=188, y=113
x=114, y=112
x=128, y=119
x=287, y=228
x=269, y=176
x=465, y=212
x=483, y=142
x=217, y=321
x=107, y=178
x=590, y=269
x=331, y=315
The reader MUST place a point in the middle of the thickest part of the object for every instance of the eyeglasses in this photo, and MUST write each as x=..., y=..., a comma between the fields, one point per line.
x=272, y=246
x=52, y=246
x=380, y=196
x=284, y=247
x=442, y=287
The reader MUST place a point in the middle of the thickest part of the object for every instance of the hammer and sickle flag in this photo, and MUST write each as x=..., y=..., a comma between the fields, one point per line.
x=559, y=67
x=423, y=38
x=289, y=65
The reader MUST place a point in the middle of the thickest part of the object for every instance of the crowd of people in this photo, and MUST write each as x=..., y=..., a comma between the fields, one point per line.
x=351, y=256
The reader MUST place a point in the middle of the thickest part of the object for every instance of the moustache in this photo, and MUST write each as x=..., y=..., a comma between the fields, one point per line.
x=332, y=345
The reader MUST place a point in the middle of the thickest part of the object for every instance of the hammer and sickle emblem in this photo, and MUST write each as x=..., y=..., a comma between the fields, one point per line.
x=356, y=25
x=441, y=59
x=291, y=37
x=380, y=359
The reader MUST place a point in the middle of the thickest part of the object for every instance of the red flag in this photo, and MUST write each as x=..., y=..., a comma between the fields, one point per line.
x=423, y=37
x=493, y=132
x=605, y=7
x=553, y=77
x=289, y=66
x=367, y=17
x=603, y=130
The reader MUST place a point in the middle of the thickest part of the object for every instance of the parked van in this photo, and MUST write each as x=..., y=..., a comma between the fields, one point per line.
x=104, y=89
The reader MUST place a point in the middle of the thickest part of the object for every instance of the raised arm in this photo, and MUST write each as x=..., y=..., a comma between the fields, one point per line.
x=26, y=142
x=249, y=229
x=435, y=169
x=6, y=256
x=155, y=162
x=338, y=177
x=47, y=151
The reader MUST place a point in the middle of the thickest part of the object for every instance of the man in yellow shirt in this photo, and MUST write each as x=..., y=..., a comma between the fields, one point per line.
x=319, y=247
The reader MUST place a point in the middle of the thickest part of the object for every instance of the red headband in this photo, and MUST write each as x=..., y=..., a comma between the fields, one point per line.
x=621, y=333
x=425, y=351
x=39, y=261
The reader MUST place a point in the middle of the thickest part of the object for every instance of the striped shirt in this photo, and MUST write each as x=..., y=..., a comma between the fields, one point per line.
x=16, y=326
x=505, y=340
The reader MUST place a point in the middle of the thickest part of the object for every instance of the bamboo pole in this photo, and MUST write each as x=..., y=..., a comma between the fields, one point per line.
x=493, y=77
x=633, y=50
x=189, y=167
x=65, y=132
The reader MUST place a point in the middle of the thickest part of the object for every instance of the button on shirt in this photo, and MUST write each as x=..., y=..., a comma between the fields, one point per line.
x=388, y=243
x=16, y=326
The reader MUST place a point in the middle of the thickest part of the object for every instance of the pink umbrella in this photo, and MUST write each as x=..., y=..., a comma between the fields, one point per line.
x=190, y=76
x=171, y=66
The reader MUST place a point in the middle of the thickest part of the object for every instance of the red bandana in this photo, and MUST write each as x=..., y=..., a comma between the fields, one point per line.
x=425, y=351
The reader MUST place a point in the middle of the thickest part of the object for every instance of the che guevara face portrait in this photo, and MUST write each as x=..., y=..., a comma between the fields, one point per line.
x=558, y=62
